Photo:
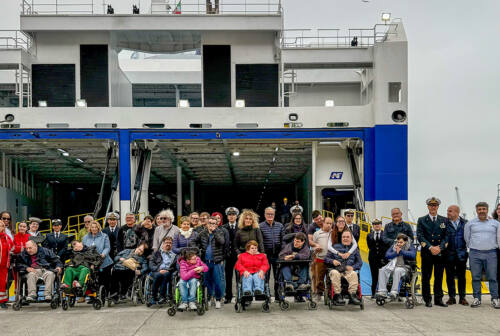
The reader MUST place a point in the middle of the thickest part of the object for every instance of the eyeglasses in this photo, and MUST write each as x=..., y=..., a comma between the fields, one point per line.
x=300, y=218
x=163, y=218
x=350, y=215
x=340, y=221
x=269, y=214
x=90, y=221
x=5, y=218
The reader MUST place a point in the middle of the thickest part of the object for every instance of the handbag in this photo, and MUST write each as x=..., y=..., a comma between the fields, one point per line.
x=131, y=264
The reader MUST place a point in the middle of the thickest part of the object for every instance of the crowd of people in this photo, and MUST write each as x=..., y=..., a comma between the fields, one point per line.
x=156, y=246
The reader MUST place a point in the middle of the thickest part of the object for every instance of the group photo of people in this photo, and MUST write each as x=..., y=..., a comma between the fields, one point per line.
x=210, y=260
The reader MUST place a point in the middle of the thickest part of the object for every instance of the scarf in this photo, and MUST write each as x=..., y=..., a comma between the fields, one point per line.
x=187, y=234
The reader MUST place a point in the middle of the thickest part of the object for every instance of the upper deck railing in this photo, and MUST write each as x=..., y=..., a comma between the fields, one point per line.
x=335, y=38
x=16, y=39
x=149, y=7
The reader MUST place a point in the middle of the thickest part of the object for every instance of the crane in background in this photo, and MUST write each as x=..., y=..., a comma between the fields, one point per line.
x=459, y=203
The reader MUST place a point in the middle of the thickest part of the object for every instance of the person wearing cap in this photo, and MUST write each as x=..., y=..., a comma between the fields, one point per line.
x=482, y=236
x=297, y=208
x=57, y=241
x=431, y=233
x=231, y=257
x=114, y=233
x=349, y=221
x=34, y=224
x=397, y=226
x=377, y=248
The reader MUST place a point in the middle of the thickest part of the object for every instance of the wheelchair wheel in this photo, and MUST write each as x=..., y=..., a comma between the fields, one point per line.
x=54, y=304
x=71, y=301
x=97, y=304
x=265, y=307
x=284, y=305
x=415, y=287
x=238, y=307
x=65, y=304
x=362, y=305
x=171, y=311
x=200, y=310
x=16, y=306
x=409, y=304
x=330, y=305
x=380, y=301
x=311, y=305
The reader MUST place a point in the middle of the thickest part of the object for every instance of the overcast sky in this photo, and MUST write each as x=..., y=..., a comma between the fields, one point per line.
x=454, y=87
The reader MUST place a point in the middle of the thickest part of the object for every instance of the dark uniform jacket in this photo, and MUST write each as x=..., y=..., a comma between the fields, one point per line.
x=115, y=240
x=59, y=246
x=231, y=252
x=356, y=231
x=432, y=234
x=391, y=231
x=457, y=247
x=377, y=248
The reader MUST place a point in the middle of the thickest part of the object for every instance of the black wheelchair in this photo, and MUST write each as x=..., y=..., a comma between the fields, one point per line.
x=344, y=294
x=409, y=288
x=244, y=301
x=21, y=291
x=94, y=291
x=284, y=291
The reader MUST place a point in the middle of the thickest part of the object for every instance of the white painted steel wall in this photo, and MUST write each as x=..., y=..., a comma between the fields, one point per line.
x=316, y=94
x=120, y=86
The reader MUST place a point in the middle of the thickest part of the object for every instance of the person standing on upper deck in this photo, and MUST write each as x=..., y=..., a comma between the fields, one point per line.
x=431, y=233
x=482, y=236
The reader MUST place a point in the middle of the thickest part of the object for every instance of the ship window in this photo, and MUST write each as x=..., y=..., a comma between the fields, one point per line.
x=395, y=92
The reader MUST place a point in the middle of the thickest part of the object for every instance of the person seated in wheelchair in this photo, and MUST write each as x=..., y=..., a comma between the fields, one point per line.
x=400, y=255
x=38, y=262
x=191, y=268
x=296, y=250
x=344, y=268
x=160, y=266
x=252, y=266
x=82, y=260
x=128, y=264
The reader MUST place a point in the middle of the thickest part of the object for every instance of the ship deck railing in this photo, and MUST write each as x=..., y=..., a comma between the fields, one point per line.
x=151, y=7
x=336, y=38
x=16, y=39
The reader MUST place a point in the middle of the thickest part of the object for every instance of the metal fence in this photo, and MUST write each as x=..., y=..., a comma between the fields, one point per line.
x=157, y=7
x=335, y=38
x=16, y=39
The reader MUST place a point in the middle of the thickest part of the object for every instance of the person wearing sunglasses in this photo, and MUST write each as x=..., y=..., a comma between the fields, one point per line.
x=349, y=221
x=6, y=218
x=165, y=228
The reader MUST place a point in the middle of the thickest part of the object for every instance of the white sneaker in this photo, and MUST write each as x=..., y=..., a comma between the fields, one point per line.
x=393, y=295
x=192, y=306
x=182, y=306
x=495, y=303
x=476, y=303
x=217, y=304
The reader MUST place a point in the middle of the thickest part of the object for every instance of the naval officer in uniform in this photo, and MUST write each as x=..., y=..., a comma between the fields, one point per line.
x=431, y=233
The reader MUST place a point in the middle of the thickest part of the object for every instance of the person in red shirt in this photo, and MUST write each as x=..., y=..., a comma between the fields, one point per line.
x=21, y=238
x=6, y=245
x=252, y=266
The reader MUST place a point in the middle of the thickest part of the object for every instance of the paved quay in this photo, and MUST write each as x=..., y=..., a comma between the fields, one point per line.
x=127, y=320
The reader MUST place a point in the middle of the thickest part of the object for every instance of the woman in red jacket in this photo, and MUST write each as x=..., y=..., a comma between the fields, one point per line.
x=6, y=246
x=252, y=266
x=21, y=238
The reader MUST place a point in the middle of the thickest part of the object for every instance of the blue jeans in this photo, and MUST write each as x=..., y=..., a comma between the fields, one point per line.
x=286, y=271
x=188, y=290
x=252, y=283
x=486, y=261
x=160, y=283
x=213, y=280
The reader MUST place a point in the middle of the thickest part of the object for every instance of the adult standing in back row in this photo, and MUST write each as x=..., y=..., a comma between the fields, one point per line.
x=482, y=236
x=272, y=234
x=431, y=233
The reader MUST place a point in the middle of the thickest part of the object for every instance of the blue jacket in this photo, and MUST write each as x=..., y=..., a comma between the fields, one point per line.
x=408, y=255
x=101, y=243
x=45, y=259
x=272, y=236
x=456, y=242
x=354, y=259
x=129, y=253
x=180, y=241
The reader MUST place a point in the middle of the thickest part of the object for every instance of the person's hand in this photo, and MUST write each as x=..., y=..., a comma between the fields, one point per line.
x=30, y=269
x=318, y=249
x=103, y=255
x=349, y=268
x=137, y=272
x=122, y=259
x=336, y=263
x=398, y=249
x=198, y=269
x=346, y=255
x=246, y=274
x=289, y=257
x=434, y=250
x=58, y=269
x=163, y=271
x=262, y=274
x=92, y=267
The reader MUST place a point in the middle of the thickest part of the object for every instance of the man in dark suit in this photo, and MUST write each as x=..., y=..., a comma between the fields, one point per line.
x=57, y=241
x=231, y=227
x=432, y=235
x=455, y=255
x=115, y=234
x=377, y=249
x=355, y=229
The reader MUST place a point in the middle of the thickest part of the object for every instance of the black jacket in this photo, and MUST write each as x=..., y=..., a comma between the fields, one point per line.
x=243, y=236
x=231, y=253
x=431, y=234
x=87, y=257
x=45, y=259
x=377, y=249
x=356, y=231
x=157, y=260
x=59, y=246
x=202, y=241
x=115, y=240
x=391, y=231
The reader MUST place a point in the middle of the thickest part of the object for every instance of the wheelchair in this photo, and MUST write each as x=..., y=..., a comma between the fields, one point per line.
x=283, y=292
x=344, y=294
x=244, y=301
x=148, y=287
x=135, y=292
x=22, y=292
x=408, y=288
x=94, y=291
x=201, y=291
